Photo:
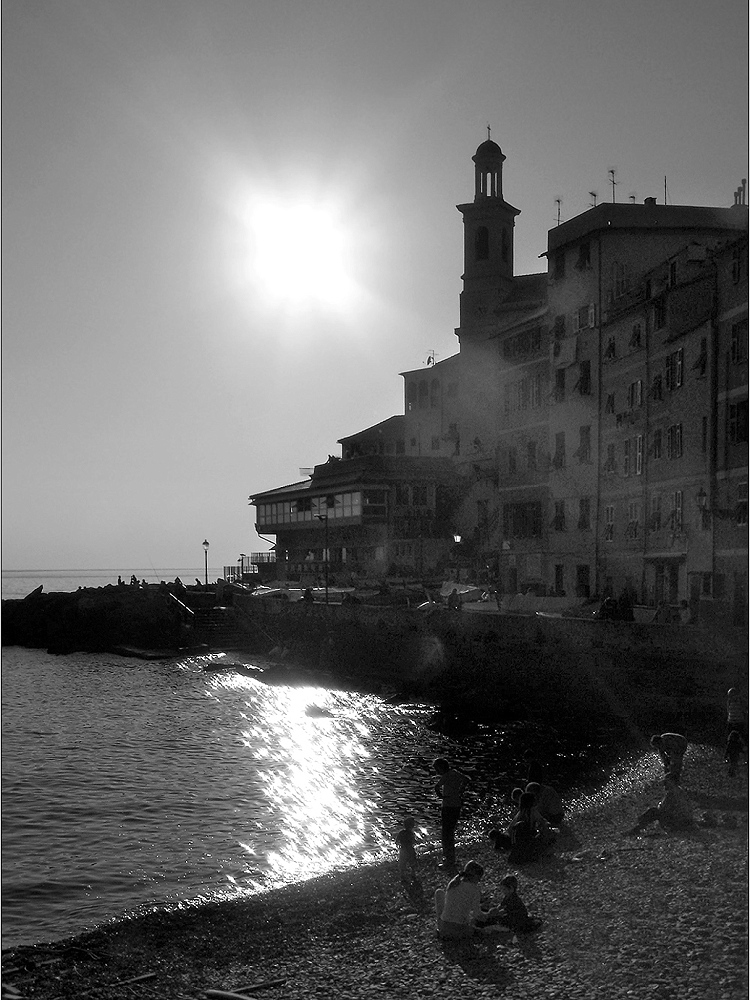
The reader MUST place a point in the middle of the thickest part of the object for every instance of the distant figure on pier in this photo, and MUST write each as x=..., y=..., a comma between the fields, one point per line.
x=663, y=614
x=625, y=607
x=133, y=580
x=671, y=748
x=120, y=582
x=685, y=613
x=454, y=601
x=198, y=584
x=608, y=611
x=308, y=597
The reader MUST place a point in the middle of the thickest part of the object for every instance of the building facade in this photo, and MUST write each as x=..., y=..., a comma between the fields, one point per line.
x=590, y=437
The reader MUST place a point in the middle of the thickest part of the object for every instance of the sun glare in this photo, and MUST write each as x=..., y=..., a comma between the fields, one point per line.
x=300, y=254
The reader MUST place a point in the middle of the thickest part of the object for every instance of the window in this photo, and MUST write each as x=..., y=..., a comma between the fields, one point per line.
x=424, y=393
x=559, y=460
x=738, y=344
x=419, y=495
x=659, y=314
x=635, y=394
x=482, y=243
x=741, y=509
x=522, y=520
x=531, y=456
x=435, y=393
x=635, y=337
x=619, y=282
x=482, y=513
x=584, y=256
x=611, y=352
x=504, y=244
x=558, y=521
x=656, y=387
x=512, y=460
x=674, y=441
x=411, y=396
x=609, y=523
x=673, y=370
x=559, y=579
x=701, y=362
x=584, y=448
x=672, y=273
x=634, y=517
x=676, y=516
x=610, y=407
x=558, y=265
x=584, y=378
x=737, y=262
x=584, y=513
x=626, y=457
x=639, y=455
x=738, y=421
x=655, y=520
x=559, y=385
x=656, y=444
x=611, y=465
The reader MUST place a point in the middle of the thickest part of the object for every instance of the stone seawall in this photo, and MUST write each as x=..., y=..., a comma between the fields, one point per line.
x=478, y=666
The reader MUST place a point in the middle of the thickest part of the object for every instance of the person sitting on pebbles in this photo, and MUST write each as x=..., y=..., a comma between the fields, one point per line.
x=512, y=912
x=548, y=802
x=674, y=812
x=458, y=907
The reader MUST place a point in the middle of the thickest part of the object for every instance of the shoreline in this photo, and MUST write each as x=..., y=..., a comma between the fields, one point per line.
x=658, y=915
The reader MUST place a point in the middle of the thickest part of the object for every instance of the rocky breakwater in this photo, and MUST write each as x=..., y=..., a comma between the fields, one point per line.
x=91, y=620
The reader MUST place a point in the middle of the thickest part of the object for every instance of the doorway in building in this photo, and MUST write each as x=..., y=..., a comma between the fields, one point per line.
x=583, y=581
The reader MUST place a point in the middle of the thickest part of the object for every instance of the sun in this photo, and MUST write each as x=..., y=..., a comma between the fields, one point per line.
x=300, y=254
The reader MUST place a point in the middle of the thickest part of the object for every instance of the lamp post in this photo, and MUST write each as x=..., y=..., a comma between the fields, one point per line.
x=205, y=552
x=324, y=519
x=243, y=557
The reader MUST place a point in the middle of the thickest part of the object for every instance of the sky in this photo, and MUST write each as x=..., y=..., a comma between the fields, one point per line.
x=227, y=225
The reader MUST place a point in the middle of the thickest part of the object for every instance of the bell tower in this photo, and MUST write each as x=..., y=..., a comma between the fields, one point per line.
x=488, y=242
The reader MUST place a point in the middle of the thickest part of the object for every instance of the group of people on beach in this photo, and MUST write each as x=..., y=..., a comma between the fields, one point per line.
x=535, y=826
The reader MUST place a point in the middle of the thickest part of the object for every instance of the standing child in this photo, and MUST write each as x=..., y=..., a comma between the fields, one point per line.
x=450, y=787
x=407, y=854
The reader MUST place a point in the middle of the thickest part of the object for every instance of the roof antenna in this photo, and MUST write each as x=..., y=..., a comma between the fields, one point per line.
x=592, y=194
x=613, y=182
x=430, y=358
x=558, y=202
x=665, y=189
x=488, y=132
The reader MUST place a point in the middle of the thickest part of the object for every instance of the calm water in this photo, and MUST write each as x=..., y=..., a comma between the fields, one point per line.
x=129, y=783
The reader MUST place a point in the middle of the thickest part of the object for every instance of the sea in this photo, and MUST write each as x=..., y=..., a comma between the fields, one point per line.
x=130, y=785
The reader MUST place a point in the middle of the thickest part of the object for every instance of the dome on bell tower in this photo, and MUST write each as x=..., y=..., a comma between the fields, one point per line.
x=488, y=150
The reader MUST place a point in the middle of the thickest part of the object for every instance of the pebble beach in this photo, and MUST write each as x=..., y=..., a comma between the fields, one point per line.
x=659, y=915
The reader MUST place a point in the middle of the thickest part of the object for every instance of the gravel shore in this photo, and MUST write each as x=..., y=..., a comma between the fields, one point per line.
x=656, y=916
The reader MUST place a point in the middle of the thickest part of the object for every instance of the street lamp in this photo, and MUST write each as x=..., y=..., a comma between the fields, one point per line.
x=243, y=557
x=205, y=550
x=324, y=519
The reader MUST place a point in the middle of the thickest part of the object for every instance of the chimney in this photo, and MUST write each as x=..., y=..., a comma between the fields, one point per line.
x=739, y=194
x=651, y=202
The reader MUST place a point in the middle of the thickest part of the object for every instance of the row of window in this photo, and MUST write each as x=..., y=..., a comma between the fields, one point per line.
x=426, y=395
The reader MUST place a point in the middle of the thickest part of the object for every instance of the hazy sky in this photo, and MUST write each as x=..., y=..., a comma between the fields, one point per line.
x=170, y=347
